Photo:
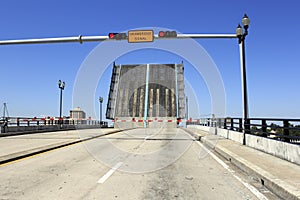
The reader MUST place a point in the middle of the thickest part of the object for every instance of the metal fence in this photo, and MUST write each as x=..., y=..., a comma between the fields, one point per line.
x=287, y=130
x=14, y=124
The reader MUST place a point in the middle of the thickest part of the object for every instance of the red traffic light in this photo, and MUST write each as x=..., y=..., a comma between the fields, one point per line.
x=117, y=36
x=161, y=34
x=112, y=35
x=169, y=34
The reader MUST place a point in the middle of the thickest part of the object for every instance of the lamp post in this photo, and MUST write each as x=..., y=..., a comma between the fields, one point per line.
x=101, y=101
x=61, y=86
x=241, y=33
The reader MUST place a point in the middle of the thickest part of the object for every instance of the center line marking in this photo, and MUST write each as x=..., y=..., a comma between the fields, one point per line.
x=110, y=172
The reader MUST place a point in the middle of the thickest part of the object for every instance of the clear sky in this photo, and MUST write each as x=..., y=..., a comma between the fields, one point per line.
x=29, y=73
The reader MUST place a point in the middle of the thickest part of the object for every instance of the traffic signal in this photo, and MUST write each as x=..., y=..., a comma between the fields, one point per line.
x=167, y=34
x=117, y=36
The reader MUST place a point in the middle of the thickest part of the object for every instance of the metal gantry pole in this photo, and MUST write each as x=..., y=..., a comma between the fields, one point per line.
x=244, y=89
x=241, y=33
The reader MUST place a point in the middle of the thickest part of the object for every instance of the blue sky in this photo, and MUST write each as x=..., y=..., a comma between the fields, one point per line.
x=29, y=73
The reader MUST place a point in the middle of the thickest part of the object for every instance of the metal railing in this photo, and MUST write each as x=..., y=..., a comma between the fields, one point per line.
x=286, y=130
x=13, y=123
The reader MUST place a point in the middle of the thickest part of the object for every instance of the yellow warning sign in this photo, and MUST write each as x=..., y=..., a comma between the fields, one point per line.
x=140, y=36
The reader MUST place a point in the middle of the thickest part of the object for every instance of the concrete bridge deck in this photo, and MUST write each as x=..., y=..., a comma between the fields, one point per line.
x=279, y=176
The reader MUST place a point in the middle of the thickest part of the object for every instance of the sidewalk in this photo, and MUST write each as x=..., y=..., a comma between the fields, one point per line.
x=17, y=147
x=279, y=176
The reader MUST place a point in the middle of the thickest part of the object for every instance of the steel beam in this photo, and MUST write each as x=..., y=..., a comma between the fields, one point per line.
x=196, y=35
x=79, y=39
x=82, y=39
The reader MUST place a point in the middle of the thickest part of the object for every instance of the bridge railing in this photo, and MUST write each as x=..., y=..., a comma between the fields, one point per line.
x=24, y=123
x=287, y=130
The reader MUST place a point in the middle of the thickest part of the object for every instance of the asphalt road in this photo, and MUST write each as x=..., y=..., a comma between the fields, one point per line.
x=136, y=164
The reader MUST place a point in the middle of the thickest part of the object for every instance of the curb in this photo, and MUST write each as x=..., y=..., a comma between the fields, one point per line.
x=196, y=136
x=35, y=151
x=37, y=131
x=275, y=185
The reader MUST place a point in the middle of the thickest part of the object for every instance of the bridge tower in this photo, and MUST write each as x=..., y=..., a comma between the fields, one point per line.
x=146, y=95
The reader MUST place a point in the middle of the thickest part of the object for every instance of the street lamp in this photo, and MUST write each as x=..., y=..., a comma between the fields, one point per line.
x=241, y=34
x=61, y=86
x=101, y=101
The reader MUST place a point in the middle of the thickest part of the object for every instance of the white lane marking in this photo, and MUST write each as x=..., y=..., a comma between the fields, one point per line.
x=109, y=173
x=258, y=194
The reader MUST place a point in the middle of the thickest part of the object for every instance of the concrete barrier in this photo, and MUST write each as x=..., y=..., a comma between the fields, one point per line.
x=203, y=128
x=19, y=130
x=283, y=150
x=13, y=129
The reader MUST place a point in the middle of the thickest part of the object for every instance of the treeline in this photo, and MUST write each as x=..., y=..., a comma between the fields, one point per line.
x=294, y=130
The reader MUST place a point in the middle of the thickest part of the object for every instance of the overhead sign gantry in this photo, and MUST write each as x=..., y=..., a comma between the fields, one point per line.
x=132, y=36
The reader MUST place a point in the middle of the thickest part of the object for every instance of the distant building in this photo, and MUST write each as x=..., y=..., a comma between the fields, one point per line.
x=77, y=113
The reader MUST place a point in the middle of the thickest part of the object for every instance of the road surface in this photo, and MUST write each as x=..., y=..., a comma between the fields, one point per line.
x=135, y=164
